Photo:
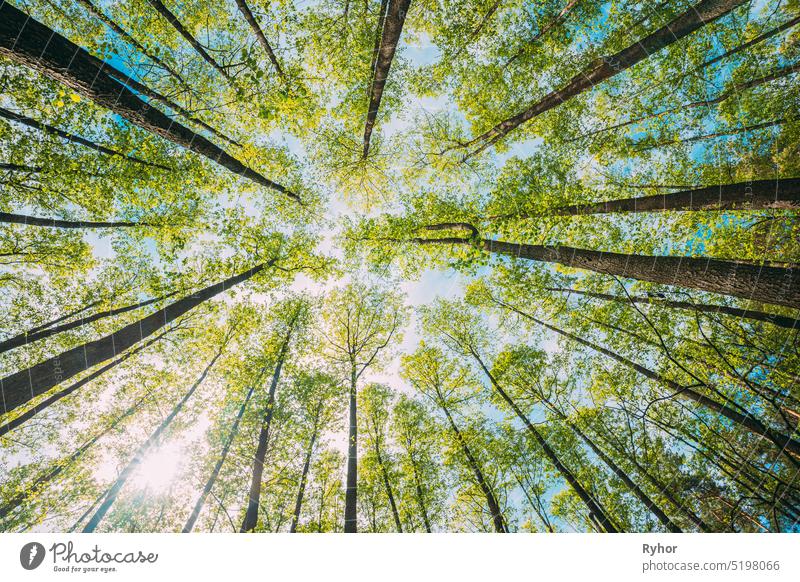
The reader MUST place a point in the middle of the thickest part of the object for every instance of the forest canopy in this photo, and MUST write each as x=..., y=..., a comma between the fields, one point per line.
x=400, y=266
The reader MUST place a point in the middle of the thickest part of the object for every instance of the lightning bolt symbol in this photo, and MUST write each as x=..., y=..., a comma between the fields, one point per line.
x=32, y=555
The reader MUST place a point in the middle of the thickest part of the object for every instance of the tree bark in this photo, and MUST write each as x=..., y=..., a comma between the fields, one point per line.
x=593, y=506
x=30, y=43
x=351, y=490
x=49, y=401
x=20, y=168
x=23, y=386
x=491, y=501
x=143, y=449
x=607, y=67
x=28, y=337
x=779, y=320
x=12, y=218
x=43, y=127
x=420, y=495
x=198, y=507
x=744, y=279
x=389, y=493
x=784, y=443
x=301, y=488
x=62, y=318
x=176, y=24
x=251, y=515
x=781, y=194
x=262, y=39
x=392, y=28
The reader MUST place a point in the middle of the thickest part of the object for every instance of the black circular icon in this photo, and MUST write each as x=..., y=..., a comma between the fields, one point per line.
x=31, y=555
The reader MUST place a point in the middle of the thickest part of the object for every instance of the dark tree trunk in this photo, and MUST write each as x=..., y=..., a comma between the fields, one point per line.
x=593, y=506
x=779, y=320
x=784, y=443
x=734, y=90
x=783, y=194
x=491, y=500
x=20, y=168
x=62, y=318
x=30, y=43
x=50, y=400
x=251, y=515
x=262, y=39
x=607, y=67
x=547, y=28
x=27, y=121
x=48, y=476
x=744, y=279
x=176, y=24
x=709, y=136
x=23, y=386
x=420, y=493
x=152, y=442
x=389, y=493
x=301, y=488
x=476, y=32
x=11, y=218
x=28, y=338
x=198, y=507
x=392, y=28
x=351, y=490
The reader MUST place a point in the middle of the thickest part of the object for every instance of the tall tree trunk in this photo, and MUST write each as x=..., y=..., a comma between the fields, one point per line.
x=198, y=507
x=709, y=136
x=744, y=279
x=145, y=448
x=20, y=168
x=176, y=24
x=43, y=127
x=12, y=218
x=262, y=39
x=784, y=443
x=725, y=95
x=779, y=320
x=389, y=493
x=25, y=385
x=607, y=67
x=783, y=194
x=474, y=34
x=420, y=493
x=301, y=488
x=491, y=500
x=48, y=476
x=62, y=318
x=28, y=338
x=593, y=505
x=251, y=515
x=547, y=28
x=645, y=499
x=392, y=28
x=30, y=43
x=351, y=489
x=52, y=399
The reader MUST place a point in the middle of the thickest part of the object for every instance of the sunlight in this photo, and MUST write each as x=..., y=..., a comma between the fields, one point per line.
x=159, y=468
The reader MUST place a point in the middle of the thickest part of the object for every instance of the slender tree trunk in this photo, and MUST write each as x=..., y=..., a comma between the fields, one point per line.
x=779, y=320
x=651, y=505
x=62, y=318
x=784, y=443
x=744, y=279
x=420, y=494
x=708, y=136
x=198, y=507
x=28, y=338
x=43, y=127
x=351, y=490
x=607, y=67
x=724, y=96
x=30, y=43
x=25, y=385
x=176, y=24
x=145, y=448
x=301, y=488
x=491, y=501
x=594, y=507
x=48, y=476
x=11, y=218
x=389, y=493
x=474, y=34
x=262, y=39
x=392, y=28
x=251, y=515
x=783, y=194
x=52, y=399
x=547, y=28
x=20, y=168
